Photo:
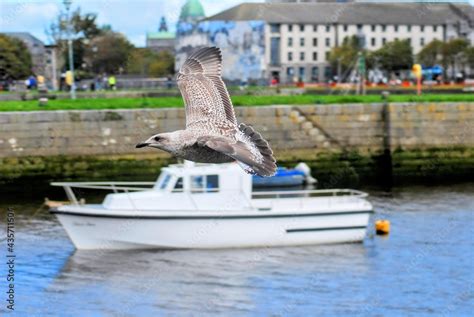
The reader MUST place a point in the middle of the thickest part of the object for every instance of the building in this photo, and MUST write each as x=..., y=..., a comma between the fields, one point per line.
x=292, y=40
x=188, y=36
x=35, y=47
x=53, y=61
x=191, y=12
x=45, y=58
x=163, y=40
x=306, y=1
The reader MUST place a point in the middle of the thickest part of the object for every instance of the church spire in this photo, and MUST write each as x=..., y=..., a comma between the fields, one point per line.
x=163, y=25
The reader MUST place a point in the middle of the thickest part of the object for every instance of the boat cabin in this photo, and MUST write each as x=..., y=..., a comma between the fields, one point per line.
x=190, y=186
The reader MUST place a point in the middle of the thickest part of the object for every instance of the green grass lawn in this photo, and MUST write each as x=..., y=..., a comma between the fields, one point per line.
x=167, y=102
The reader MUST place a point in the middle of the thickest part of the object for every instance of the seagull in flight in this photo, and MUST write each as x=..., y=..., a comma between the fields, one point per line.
x=212, y=134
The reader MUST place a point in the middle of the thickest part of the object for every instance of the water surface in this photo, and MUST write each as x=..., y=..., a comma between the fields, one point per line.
x=424, y=268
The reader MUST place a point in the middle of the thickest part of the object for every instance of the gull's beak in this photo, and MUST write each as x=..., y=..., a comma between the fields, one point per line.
x=143, y=144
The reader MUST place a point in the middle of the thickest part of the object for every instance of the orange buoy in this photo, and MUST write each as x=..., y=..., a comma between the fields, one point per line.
x=382, y=227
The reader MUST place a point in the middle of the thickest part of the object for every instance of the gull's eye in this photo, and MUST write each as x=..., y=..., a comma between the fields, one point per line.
x=157, y=138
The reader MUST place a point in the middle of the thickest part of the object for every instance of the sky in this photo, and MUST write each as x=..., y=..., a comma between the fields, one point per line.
x=131, y=17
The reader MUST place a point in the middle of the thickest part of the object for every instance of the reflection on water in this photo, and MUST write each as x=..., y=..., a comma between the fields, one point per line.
x=423, y=268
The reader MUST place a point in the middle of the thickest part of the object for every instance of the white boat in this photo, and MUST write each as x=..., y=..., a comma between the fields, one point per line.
x=210, y=206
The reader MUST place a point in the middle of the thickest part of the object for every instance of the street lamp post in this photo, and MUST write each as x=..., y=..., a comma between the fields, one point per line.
x=67, y=4
x=361, y=67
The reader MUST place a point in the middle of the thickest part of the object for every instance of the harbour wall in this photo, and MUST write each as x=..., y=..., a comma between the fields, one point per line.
x=358, y=142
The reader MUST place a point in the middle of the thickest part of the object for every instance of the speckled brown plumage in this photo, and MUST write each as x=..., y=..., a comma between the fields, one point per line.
x=212, y=134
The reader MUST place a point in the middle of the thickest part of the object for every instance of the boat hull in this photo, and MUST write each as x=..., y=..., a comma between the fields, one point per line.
x=102, y=231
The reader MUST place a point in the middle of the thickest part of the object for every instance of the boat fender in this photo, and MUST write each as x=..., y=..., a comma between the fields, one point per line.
x=382, y=227
x=306, y=170
x=303, y=167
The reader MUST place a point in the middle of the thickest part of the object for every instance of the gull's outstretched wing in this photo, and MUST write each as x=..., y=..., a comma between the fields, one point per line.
x=204, y=93
x=250, y=150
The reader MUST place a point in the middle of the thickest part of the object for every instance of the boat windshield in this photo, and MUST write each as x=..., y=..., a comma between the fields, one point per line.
x=179, y=184
x=204, y=183
x=163, y=181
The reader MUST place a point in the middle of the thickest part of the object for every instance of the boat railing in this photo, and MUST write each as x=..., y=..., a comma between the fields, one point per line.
x=308, y=193
x=300, y=196
x=116, y=187
x=126, y=187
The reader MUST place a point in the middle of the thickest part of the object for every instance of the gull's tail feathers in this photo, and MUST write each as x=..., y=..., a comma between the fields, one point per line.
x=264, y=164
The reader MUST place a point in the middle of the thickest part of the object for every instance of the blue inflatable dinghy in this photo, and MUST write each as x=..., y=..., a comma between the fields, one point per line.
x=283, y=177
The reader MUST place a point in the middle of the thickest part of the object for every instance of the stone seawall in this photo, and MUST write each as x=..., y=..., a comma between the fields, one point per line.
x=426, y=134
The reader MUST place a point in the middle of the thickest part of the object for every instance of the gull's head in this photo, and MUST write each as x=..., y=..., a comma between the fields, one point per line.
x=159, y=141
x=162, y=141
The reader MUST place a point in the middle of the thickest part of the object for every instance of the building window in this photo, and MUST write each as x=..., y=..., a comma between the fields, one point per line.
x=409, y=41
x=301, y=27
x=435, y=28
x=275, y=28
x=396, y=28
x=373, y=28
x=328, y=28
x=302, y=56
x=409, y=28
x=290, y=56
x=290, y=41
x=275, y=50
x=302, y=41
x=314, y=73
x=384, y=40
x=359, y=27
x=290, y=28
x=328, y=42
x=290, y=71
x=345, y=27
x=422, y=41
x=327, y=72
x=384, y=28
x=315, y=42
x=422, y=28
x=301, y=73
x=315, y=28
x=315, y=56
x=372, y=41
x=327, y=56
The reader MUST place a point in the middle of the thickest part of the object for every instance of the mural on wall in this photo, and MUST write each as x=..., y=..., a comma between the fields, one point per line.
x=241, y=42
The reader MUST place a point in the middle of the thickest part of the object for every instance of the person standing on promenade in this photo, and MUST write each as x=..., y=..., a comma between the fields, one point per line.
x=112, y=82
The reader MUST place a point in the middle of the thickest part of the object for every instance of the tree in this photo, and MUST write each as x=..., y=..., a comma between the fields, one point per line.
x=15, y=59
x=162, y=65
x=84, y=29
x=345, y=56
x=108, y=52
x=394, y=56
x=139, y=61
x=453, y=54
x=85, y=24
x=469, y=53
x=145, y=62
x=431, y=54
